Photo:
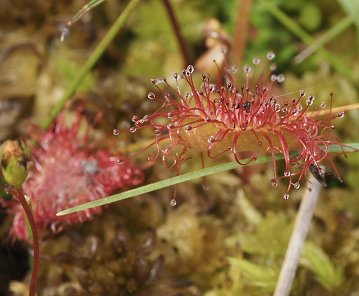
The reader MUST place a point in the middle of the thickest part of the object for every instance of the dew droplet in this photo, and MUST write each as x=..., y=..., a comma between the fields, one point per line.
x=260, y=143
x=158, y=81
x=151, y=95
x=132, y=129
x=270, y=55
x=65, y=32
x=173, y=202
x=341, y=114
x=247, y=69
x=286, y=173
x=176, y=76
x=119, y=161
x=256, y=61
x=323, y=105
x=169, y=115
x=211, y=88
x=211, y=139
x=284, y=109
x=286, y=196
x=280, y=78
x=115, y=131
x=296, y=185
x=274, y=182
x=302, y=93
x=190, y=69
x=170, y=125
x=135, y=118
x=273, y=77
x=205, y=187
x=310, y=100
x=157, y=132
x=188, y=127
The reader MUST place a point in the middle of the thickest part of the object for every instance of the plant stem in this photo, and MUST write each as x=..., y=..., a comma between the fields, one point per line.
x=18, y=193
x=241, y=30
x=177, y=30
x=91, y=61
x=301, y=227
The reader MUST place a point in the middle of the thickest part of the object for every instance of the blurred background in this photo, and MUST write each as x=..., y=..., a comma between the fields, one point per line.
x=228, y=239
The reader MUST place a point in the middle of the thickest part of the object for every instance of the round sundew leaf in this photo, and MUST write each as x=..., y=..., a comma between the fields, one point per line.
x=350, y=147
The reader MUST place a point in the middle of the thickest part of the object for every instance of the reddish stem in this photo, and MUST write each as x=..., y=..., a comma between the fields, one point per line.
x=241, y=30
x=177, y=30
x=18, y=193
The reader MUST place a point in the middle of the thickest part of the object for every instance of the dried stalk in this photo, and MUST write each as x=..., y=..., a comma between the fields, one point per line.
x=301, y=227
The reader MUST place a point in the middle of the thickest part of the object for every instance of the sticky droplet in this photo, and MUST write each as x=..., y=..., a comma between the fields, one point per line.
x=173, y=202
x=190, y=69
x=116, y=132
x=256, y=61
x=151, y=95
x=158, y=81
x=274, y=182
x=270, y=55
x=286, y=196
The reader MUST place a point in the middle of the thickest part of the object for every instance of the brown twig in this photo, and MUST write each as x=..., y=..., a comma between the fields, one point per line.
x=177, y=30
x=18, y=193
x=241, y=30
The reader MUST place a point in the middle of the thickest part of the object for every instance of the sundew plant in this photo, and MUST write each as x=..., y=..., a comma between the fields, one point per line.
x=212, y=119
x=225, y=111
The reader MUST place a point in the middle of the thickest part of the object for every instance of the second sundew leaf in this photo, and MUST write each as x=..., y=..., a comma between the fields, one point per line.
x=183, y=178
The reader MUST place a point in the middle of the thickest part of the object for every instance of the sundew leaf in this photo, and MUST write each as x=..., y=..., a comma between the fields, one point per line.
x=350, y=147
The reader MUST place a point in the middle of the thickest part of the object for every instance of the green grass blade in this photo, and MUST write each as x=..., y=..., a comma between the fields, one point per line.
x=337, y=64
x=93, y=58
x=183, y=178
x=328, y=36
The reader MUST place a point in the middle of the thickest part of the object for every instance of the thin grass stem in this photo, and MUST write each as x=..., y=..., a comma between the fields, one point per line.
x=336, y=63
x=91, y=61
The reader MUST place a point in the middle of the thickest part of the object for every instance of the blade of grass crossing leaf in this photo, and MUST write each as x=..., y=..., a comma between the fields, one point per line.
x=186, y=177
